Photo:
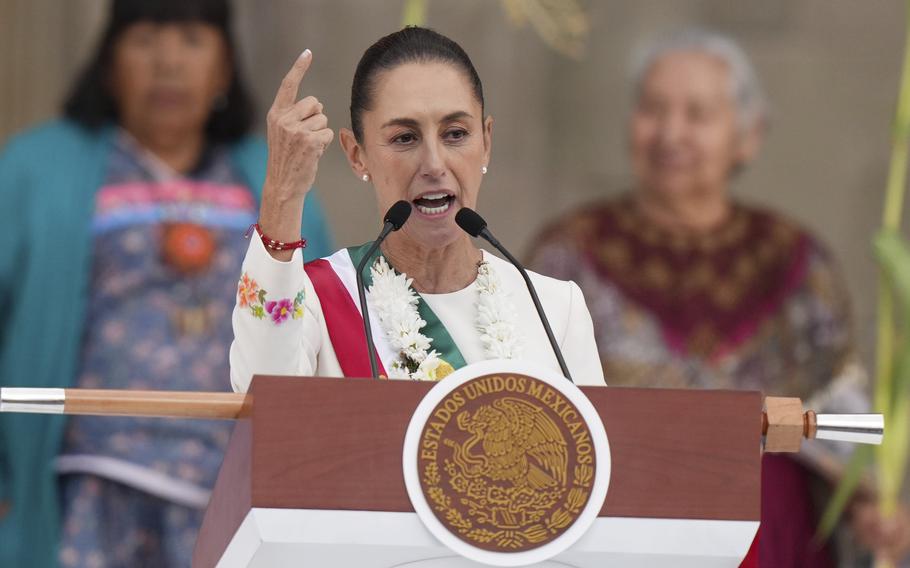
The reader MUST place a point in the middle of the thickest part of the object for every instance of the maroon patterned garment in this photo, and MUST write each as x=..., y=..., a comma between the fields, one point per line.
x=710, y=292
x=755, y=304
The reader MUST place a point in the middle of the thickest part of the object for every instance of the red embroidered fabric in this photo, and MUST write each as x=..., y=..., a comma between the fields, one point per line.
x=709, y=292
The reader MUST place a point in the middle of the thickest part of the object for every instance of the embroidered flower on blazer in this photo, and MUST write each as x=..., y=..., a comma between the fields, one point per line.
x=247, y=291
x=250, y=295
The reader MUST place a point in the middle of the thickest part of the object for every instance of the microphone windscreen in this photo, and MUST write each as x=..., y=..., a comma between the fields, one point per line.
x=470, y=221
x=398, y=214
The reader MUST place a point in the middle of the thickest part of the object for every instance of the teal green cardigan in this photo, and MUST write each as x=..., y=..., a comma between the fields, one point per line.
x=48, y=179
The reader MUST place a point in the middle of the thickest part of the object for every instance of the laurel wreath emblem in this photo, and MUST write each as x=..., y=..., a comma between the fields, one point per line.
x=480, y=498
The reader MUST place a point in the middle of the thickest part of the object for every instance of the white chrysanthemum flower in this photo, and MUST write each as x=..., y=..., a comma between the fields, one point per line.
x=395, y=304
x=429, y=368
x=495, y=316
x=398, y=371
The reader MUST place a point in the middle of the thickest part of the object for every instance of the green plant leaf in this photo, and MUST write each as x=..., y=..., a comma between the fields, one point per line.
x=901, y=383
x=893, y=254
x=894, y=284
x=415, y=13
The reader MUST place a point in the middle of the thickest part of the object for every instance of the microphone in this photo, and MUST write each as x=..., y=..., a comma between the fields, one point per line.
x=394, y=219
x=475, y=225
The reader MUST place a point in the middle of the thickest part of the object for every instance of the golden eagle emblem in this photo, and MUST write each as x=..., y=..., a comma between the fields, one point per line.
x=519, y=444
x=504, y=473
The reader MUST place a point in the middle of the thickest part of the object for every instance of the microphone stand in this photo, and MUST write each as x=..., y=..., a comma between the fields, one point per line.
x=361, y=292
x=486, y=235
x=394, y=219
x=473, y=224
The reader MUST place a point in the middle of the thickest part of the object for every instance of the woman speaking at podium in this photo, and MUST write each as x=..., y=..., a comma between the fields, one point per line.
x=436, y=301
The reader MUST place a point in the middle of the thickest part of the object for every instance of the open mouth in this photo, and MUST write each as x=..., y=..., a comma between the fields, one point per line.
x=434, y=203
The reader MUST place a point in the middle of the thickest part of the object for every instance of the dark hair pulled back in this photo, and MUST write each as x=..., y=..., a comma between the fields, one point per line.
x=410, y=45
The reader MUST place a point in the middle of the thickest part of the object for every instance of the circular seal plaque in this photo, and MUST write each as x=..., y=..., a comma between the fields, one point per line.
x=506, y=465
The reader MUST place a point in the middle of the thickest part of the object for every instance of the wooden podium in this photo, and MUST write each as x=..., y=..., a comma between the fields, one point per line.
x=313, y=477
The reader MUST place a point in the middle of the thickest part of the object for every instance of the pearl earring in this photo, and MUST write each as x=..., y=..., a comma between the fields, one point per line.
x=365, y=177
x=483, y=170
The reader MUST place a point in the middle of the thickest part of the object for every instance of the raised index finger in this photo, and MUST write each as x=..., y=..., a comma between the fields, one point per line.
x=287, y=92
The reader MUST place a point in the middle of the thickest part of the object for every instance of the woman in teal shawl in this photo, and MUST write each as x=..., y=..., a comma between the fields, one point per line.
x=117, y=226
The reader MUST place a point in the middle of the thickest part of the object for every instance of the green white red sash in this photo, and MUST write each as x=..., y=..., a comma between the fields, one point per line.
x=334, y=279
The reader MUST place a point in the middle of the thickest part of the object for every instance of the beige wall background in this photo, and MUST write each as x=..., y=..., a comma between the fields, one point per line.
x=830, y=68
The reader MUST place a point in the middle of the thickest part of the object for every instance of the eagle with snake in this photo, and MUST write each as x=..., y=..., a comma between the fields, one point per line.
x=519, y=445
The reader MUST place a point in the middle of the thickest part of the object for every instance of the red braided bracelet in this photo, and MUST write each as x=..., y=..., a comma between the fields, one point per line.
x=271, y=243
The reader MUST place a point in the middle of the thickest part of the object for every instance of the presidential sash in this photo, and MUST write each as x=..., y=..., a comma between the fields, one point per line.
x=335, y=282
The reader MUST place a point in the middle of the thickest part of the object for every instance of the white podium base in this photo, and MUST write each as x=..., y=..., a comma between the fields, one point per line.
x=301, y=538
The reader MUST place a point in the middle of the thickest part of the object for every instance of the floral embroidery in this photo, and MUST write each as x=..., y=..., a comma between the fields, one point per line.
x=247, y=291
x=250, y=295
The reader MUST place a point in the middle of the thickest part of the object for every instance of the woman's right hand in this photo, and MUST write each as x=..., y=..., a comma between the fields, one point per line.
x=298, y=134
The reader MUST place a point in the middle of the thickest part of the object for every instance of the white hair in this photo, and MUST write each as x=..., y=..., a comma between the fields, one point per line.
x=751, y=105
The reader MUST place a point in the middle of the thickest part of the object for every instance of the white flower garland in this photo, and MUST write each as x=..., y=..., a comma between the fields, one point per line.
x=395, y=304
x=495, y=316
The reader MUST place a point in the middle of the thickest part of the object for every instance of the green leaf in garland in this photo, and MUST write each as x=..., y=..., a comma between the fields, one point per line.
x=262, y=296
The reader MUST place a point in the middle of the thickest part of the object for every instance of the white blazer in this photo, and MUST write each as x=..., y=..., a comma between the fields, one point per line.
x=301, y=345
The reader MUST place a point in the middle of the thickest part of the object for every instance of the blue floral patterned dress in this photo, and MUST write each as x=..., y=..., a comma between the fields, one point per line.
x=134, y=490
